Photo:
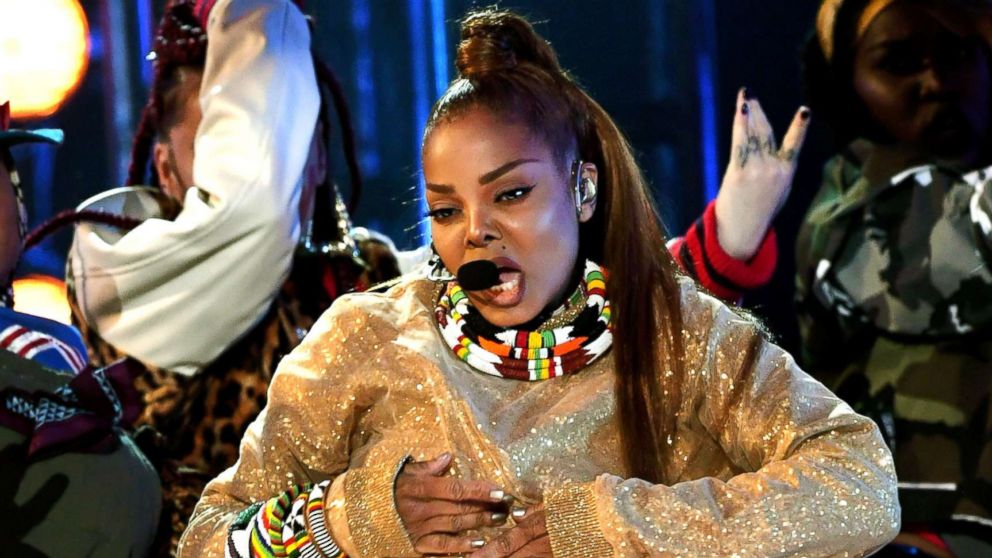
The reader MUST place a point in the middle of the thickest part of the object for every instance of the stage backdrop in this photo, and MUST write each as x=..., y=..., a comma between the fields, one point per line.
x=668, y=70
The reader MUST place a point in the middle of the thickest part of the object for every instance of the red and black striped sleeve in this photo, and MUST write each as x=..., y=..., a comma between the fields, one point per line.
x=700, y=255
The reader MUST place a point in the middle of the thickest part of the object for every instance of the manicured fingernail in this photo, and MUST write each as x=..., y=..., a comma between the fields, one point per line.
x=496, y=495
x=744, y=109
x=804, y=113
x=747, y=93
x=478, y=543
x=499, y=518
x=517, y=513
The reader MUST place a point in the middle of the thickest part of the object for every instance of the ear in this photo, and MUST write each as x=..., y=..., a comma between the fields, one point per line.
x=166, y=177
x=588, y=176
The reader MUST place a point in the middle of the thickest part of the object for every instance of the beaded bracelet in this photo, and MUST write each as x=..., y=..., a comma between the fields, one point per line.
x=261, y=535
x=259, y=546
x=242, y=526
x=295, y=536
x=317, y=523
x=292, y=525
x=275, y=513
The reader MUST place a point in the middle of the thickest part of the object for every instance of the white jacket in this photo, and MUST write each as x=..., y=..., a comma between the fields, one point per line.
x=176, y=294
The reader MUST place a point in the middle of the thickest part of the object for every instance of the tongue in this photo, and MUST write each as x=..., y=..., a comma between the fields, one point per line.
x=479, y=275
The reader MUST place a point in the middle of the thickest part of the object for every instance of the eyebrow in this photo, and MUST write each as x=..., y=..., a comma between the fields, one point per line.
x=485, y=178
x=889, y=43
x=503, y=169
x=440, y=188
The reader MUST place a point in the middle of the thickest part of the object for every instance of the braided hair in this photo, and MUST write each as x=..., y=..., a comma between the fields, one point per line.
x=179, y=56
x=181, y=49
x=328, y=261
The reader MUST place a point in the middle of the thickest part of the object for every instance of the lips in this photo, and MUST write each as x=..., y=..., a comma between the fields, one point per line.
x=947, y=121
x=948, y=133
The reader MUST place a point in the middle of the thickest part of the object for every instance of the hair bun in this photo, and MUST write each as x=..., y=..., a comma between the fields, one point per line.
x=496, y=41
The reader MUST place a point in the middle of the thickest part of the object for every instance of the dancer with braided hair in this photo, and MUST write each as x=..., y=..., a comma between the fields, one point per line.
x=236, y=134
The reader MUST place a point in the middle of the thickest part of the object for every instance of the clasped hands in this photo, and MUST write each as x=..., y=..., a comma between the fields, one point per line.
x=440, y=512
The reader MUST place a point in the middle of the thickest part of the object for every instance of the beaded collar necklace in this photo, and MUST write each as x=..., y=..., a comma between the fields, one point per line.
x=575, y=335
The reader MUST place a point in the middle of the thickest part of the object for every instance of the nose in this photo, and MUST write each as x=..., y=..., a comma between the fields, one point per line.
x=481, y=229
x=934, y=82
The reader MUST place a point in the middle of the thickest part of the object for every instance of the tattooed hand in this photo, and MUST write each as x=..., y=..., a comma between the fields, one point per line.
x=758, y=179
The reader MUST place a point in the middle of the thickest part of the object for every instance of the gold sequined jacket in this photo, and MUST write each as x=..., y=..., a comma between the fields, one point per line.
x=779, y=468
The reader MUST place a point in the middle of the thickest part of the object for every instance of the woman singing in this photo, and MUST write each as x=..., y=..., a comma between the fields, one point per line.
x=562, y=391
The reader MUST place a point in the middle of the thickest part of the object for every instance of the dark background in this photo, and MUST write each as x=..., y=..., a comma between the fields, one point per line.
x=668, y=71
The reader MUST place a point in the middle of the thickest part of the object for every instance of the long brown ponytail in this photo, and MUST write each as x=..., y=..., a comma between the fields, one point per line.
x=507, y=68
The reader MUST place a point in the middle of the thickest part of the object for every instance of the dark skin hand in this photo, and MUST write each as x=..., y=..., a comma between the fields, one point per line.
x=527, y=539
x=440, y=511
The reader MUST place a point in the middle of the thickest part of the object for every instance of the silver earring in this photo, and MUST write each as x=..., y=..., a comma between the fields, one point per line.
x=585, y=192
x=589, y=192
x=436, y=270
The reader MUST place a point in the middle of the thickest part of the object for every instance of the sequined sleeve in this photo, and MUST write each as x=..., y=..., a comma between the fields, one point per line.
x=810, y=476
x=302, y=442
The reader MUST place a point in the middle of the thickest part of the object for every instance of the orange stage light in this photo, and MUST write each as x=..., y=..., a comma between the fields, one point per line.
x=42, y=295
x=44, y=52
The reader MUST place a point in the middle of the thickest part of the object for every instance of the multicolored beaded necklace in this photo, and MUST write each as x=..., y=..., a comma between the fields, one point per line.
x=552, y=350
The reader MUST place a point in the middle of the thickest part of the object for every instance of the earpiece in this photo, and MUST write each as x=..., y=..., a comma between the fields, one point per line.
x=588, y=190
x=584, y=189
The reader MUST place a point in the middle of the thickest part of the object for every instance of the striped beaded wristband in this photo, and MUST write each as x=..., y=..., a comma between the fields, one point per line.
x=295, y=536
x=317, y=523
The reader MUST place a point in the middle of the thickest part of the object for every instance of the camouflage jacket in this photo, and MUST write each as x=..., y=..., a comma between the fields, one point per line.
x=71, y=483
x=894, y=294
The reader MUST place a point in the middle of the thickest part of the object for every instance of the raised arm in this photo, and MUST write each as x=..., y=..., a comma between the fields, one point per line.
x=732, y=247
x=175, y=294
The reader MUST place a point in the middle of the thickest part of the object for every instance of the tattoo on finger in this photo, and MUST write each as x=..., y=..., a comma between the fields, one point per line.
x=752, y=147
x=770, y=146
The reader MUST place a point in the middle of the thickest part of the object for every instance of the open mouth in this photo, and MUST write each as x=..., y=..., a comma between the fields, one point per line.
x=509, y=280
x=511, y=287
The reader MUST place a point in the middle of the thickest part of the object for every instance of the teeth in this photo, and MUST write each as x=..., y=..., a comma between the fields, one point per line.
x=507, y=286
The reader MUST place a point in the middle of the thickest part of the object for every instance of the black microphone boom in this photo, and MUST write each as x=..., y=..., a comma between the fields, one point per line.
x=478, y=275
